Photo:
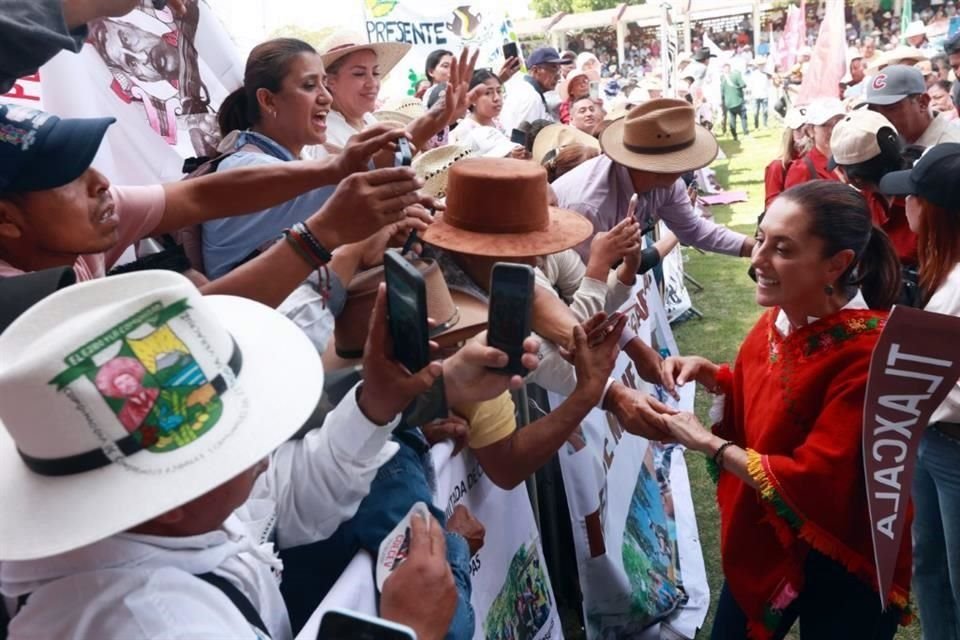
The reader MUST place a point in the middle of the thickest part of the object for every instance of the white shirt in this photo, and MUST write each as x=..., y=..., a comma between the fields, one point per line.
x=939, y=132
x=946, y=300
x=758, y=84
x=135, y=586
x=522, y=104
x=783, y=326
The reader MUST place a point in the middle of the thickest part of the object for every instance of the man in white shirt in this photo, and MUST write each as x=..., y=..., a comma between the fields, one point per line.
x=147, y=464
x=525, y=100
x=758, y=86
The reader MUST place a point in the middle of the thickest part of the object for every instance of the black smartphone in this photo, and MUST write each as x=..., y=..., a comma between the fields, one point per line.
x=339, y=624
x=159, y=5
x=510, y=50
x=407, y=311
x=511, y=304
x=519, y=136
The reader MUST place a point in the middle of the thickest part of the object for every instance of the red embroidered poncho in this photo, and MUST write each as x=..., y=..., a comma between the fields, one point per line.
x=796, y=405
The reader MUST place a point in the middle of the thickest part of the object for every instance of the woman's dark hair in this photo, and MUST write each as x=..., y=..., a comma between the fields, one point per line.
x=433, y=60
x=937, y=246
x=268, y=64
x=565, y=159
x=841, y=218
x=533, y=129
x=482, y=75
x=890, y=159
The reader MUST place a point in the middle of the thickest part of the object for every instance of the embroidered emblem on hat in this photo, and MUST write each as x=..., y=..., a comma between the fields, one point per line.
x=880, y=81
x=149, y=378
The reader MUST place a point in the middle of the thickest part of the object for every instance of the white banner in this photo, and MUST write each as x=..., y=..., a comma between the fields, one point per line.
x=437, y=24
x=669, y=49
x=26, y=91
x=676, y=297
x=632, y=515
x=163, y=79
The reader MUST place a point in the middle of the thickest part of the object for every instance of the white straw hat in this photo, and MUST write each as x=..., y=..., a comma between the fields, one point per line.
x=342, y=43
x=402, y=110
x=125, y=397
x=433, y=167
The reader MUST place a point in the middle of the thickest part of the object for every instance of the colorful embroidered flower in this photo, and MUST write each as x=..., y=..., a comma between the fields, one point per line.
x=856, y=324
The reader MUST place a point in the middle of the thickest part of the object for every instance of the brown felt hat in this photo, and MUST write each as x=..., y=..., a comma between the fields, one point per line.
x=459, y=314
x=498, y=207
x=660, y=136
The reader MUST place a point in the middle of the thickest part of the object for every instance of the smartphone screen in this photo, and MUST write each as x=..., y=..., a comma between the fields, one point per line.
x=403, y=156
x=594, y=89
x=510, y=50
x=407, y=311
x=511, y=302
x=338, y=624
x=518, y=136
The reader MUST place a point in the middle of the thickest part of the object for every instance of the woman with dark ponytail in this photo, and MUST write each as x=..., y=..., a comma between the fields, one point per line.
x=932, y=190
x=795, y=534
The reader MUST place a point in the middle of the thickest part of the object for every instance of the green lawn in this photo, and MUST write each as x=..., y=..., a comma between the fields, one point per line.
x=729, y=312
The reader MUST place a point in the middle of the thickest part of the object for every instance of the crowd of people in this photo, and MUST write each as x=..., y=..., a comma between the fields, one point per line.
x=170, y=445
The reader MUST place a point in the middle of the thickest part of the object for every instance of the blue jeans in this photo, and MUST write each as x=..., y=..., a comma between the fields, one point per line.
x=761, y=109
x=936, y=535
x=733, y=112
x=311, y=570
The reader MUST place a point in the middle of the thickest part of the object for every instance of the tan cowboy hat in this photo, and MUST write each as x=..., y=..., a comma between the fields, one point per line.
x=557, y=136
x=460, y=315
x=898, y=55
x=343, y=43
x=497, y=207
x=660, y=136
x=403, y=110
x=433, y=167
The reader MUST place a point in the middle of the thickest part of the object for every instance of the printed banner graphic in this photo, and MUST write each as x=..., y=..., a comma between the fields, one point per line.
x=624, y=508
x=914, y=366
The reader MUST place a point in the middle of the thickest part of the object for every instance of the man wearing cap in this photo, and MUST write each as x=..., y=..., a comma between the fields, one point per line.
x=129, y=515
x=56, y=210
x=899, y=93
x=698, y=68
x=525, y=100
x=822, y=115
x=645, y=154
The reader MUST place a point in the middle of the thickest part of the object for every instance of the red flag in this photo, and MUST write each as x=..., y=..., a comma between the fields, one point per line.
x=828, y=64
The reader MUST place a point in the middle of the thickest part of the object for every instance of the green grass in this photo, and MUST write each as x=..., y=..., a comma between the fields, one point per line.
x=729, y=312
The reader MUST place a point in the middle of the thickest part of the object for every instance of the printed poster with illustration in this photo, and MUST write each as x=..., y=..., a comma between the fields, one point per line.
x=163, y=79
x=512, y=597
x=437, y=24
x=626, y=496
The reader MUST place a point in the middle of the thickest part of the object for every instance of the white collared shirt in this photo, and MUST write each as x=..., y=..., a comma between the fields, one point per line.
x=139, y=586
x=783, y=326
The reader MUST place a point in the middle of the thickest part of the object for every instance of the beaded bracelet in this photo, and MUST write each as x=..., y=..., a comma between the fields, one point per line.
x=718, y=456
x=318, y=250
x=302, y=248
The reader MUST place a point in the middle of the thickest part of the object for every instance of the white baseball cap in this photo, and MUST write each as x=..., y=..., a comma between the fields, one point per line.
x=823, y=110
x=855, y=139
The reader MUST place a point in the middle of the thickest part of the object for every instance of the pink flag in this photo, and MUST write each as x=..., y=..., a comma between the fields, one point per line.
x=828, y=64
x=794, y=34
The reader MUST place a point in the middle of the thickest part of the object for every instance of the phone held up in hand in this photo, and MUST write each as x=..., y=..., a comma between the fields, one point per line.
x=340, y=624
x=519, y=136
x=511, y=305
x=407, y=311
x=594, y=90
x=403, y=156
x=510, y=50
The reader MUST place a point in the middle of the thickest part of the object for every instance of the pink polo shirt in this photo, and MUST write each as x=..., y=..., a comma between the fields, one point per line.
x=139, y=210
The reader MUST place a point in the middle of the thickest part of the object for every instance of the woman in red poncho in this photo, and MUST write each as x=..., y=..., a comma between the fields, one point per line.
x=795, y=533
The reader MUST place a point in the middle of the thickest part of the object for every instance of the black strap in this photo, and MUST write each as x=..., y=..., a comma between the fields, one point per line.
x=240, y=601
x=97, y=458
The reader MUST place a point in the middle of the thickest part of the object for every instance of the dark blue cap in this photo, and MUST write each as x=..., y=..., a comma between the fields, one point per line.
x=40, y=151
x=933, y=177
x=544, y=55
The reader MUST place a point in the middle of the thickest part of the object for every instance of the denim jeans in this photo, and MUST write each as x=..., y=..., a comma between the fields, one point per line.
x=733, y=113
x=760, y=109
x=833, y=605
x=936, y=535
x=311, y=570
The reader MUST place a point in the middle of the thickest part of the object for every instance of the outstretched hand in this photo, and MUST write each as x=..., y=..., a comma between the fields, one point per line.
x=470, y=374
x=376, y=140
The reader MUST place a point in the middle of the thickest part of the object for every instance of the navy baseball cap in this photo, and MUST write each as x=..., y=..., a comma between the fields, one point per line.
x=933, y=177
x=40, y=151
x=544, y=55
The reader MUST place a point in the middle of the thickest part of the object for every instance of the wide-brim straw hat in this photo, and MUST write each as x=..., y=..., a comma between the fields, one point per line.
x=403, y=111
x=557, y=136
x=433, y=167
x=122, y=398
x=660, y=136
x=898, y=55
x=342, y=43
x=459, y=315
x=498, y=207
